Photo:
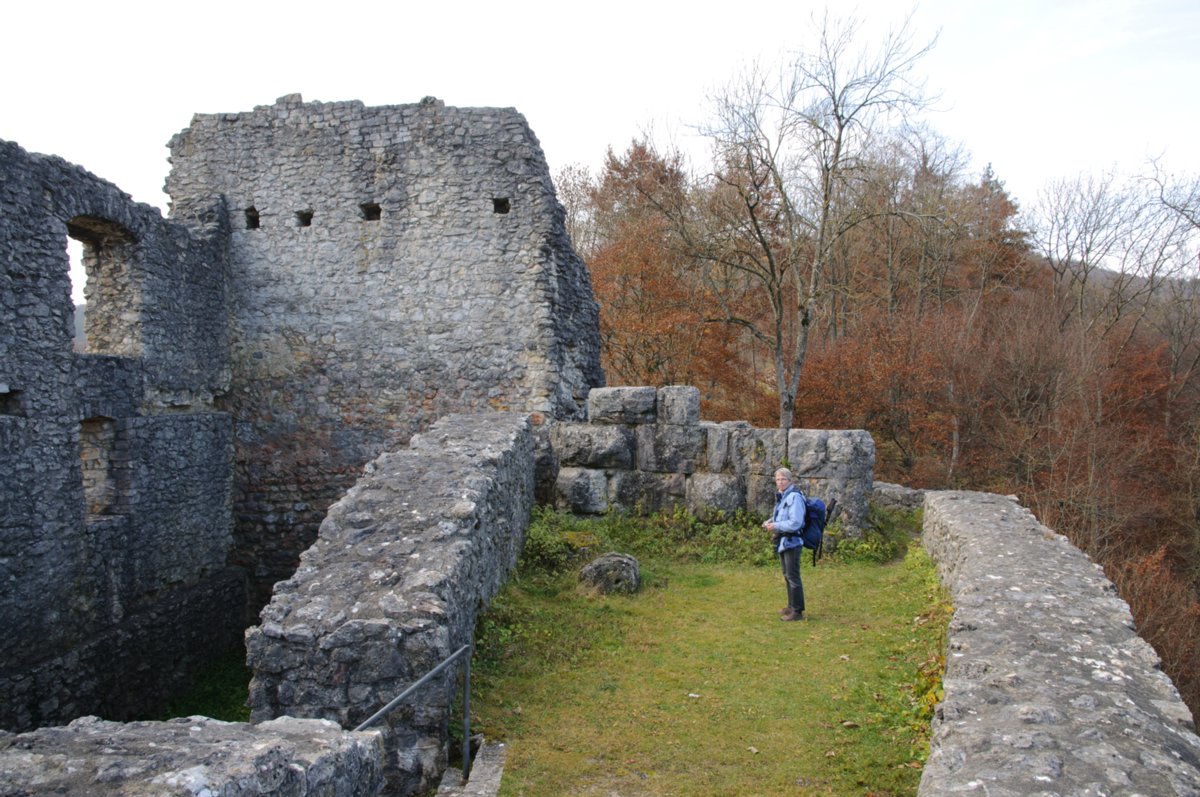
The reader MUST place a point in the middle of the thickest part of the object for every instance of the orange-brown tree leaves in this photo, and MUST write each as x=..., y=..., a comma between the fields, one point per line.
x=654, y=310
x=974, y=361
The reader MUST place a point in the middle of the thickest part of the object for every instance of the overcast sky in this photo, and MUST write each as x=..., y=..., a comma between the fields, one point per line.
x=1037, y=88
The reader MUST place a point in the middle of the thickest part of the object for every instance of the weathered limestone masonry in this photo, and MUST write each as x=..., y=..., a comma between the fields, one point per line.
x=1048, y=689
x=402, y=565
x=115, y=474
x=389, y=265
x=192, y=757
x=646, y=449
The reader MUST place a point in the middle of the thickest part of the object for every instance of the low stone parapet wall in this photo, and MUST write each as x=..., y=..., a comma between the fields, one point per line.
x=1048, y=688
x=644, y=450
x=193, y=756
x=402, y=566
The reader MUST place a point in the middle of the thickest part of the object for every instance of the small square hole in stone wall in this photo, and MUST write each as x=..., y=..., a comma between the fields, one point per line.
x=251, y=218
x=501, y=205
x=371, y=211
x=304, y=218
x=10, y=402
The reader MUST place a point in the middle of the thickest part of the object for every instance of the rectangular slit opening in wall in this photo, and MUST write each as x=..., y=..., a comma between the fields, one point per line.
x=104, y=464
x=10, y=402
x=501, y=205
x=371, y=211
x=304, y=218
x=251, y=218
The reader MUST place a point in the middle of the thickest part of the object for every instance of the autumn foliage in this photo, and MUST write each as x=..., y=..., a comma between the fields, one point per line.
x=944, y=326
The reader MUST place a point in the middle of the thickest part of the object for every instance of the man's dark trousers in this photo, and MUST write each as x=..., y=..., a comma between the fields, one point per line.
x=790, y=559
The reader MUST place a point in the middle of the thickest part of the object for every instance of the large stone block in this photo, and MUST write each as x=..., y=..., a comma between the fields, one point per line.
x=718, y=456
x=806, y=450
x=760, y=493
x=633, y=405
x=582, y=491
x=643, y=492
x=896, y=496
x=670, y=449
x=679, y=405
x=835, y=464
x=588, y=445
x=712, y=495
x=810, y=450
x=758, y=451
x=853, y=447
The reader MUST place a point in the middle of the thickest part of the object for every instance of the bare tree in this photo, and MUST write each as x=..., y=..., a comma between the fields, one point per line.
x=575, y=184
x=789, y=149
x=1111, y=245
x=1180, y=195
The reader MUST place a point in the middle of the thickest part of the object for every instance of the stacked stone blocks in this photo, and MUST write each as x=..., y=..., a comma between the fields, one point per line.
x=644, y=450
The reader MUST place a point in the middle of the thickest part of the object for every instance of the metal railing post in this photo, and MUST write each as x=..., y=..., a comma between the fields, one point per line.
x=424, y=679
x=466, y=754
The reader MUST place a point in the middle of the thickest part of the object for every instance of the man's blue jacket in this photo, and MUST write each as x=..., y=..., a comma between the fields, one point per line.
x=789, y=517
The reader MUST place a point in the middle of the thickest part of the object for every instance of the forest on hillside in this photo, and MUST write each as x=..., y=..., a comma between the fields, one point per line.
x=835, y=263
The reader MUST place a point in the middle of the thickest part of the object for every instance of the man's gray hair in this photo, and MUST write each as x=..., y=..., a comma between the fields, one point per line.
x=787, y=473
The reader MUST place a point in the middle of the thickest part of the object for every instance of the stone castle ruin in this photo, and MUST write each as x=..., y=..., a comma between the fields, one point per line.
x=321, y=400
x=333, y=279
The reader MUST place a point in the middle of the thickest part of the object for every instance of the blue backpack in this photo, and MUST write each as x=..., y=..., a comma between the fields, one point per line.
x=816, y=516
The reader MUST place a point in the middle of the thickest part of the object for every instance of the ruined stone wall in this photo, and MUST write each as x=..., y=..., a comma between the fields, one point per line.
x=1048, y=688
x=403, y=564
x=115, y=475
x=389, y=265
x=190, y=757
x=643, y=449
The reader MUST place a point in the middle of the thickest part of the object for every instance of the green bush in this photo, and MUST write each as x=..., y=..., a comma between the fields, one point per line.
x=885, y=538
x=557, y=540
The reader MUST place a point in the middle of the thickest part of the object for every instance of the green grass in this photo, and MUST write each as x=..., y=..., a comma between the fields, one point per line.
x=219, y=691
x=694, y=687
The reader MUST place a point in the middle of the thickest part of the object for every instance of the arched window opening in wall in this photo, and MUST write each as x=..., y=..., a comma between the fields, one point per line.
x=111, y=322
x=104, y=461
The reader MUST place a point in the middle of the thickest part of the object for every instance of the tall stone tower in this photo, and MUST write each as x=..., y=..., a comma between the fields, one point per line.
x=387, y=265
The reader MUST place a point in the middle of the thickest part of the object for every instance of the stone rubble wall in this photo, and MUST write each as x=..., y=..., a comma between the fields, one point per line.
x=646, y=449
x=896, y=496
x=192, y=756
x=115, y=467
x=403, y=564
x=432, y=273
x=1048, y=688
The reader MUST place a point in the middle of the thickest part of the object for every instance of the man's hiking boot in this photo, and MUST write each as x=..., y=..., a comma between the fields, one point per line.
x=791, y=616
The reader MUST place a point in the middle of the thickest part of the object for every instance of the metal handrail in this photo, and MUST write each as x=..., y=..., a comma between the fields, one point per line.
x=466, y=754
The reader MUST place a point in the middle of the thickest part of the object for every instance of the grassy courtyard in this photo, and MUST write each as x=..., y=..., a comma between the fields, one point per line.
x=693, y=686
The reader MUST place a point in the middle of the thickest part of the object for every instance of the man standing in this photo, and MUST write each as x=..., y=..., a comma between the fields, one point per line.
x=786, y=525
